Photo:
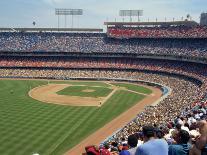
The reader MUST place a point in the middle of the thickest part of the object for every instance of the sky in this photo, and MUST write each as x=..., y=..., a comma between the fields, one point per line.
x=22, y=13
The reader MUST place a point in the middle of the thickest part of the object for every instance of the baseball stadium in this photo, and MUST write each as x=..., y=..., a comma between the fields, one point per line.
x=90, y=91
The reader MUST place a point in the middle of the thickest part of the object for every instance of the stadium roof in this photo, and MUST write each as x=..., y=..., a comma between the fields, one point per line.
x=51, y=30
x=172, y=23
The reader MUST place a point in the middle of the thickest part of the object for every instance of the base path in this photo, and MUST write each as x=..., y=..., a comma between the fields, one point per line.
x=107, y=130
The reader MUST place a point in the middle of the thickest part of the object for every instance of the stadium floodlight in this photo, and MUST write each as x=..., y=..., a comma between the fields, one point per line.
x=67, y=12
x=131, y=13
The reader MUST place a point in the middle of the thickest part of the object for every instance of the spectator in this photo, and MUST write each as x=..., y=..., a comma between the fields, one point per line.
x=132, y=142
x=200, y=147
x=151, y=145
x=182, y=147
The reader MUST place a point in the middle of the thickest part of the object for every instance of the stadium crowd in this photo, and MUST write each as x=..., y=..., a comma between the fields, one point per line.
x=180, y=110
x=158, y=32
x=99, y=43
x=178, y=121
x=108, y=63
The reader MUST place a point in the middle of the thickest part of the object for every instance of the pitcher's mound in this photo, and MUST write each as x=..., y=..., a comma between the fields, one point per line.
x=88, y=90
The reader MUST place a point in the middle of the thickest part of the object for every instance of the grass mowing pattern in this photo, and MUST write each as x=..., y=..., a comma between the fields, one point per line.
x=119, y=102
x=78, y=91
x=134, y=87
x=28, y=126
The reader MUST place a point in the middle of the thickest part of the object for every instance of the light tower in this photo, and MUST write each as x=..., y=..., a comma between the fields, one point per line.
x=131, y=13
x=67, y=12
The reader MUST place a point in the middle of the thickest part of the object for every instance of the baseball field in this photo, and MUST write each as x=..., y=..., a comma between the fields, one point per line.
x=51, y=117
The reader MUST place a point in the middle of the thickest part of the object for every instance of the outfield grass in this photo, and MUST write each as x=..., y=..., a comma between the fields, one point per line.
x=134, y=87
x=78, y=91
x=28, y=126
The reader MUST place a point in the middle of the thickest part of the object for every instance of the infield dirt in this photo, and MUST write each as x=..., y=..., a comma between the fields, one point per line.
x=48, y=94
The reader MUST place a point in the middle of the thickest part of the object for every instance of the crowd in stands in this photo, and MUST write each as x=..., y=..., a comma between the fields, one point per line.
x=158, y=32
x=99, y=43
x=108, y=63
x=184, y=135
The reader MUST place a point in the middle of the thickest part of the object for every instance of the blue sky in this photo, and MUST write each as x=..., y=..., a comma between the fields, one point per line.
x=21, y=13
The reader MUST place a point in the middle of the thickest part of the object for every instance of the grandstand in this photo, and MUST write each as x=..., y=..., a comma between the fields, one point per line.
x=178, y=29
x=172, y=54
